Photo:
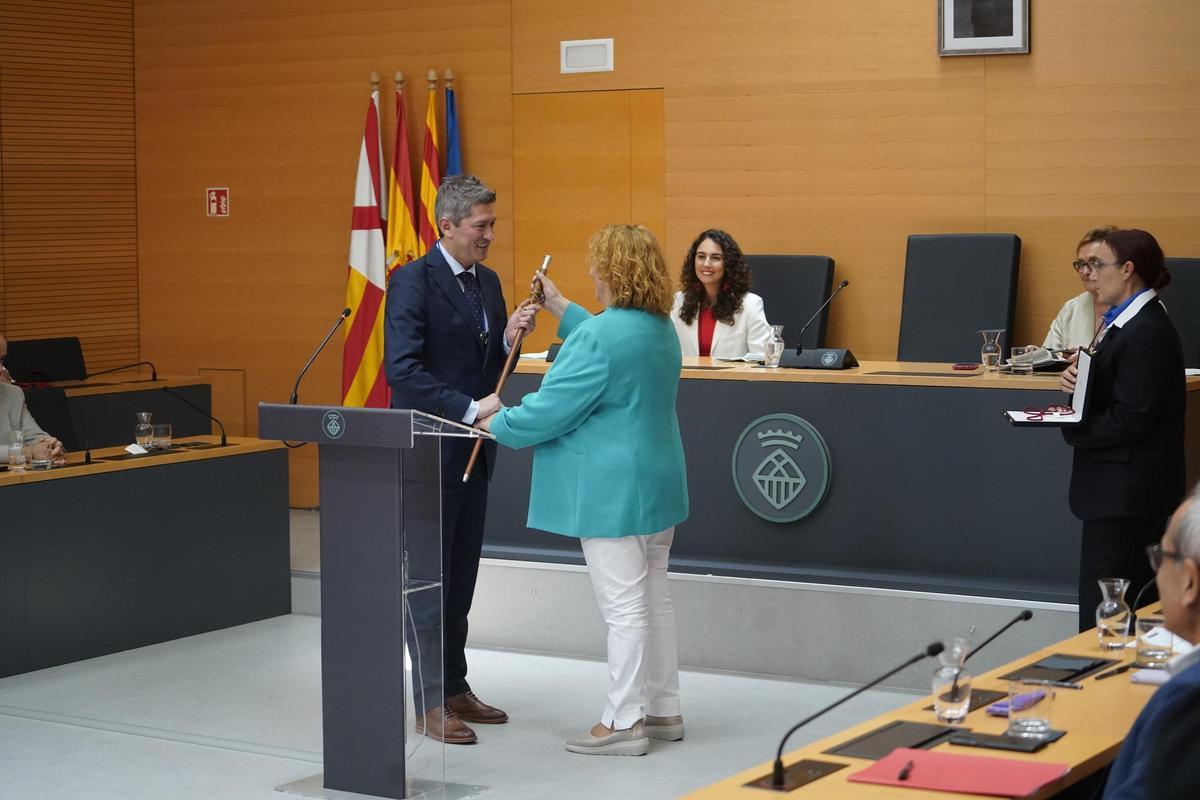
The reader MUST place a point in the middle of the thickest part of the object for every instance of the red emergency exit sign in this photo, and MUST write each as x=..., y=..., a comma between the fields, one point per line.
x=217, y=202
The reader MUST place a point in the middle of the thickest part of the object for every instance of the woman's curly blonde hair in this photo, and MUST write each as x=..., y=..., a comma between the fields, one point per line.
x=628, y=260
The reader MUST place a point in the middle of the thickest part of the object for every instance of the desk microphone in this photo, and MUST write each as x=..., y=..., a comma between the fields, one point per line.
x=296, y=387
x=836, y=292
x=1024, y=615
x=187, y=402
x=821, y=358
x=153, y=370
x=777, y=775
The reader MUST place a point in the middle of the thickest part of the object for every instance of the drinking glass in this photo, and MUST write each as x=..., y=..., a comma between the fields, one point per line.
x=1029, y=710
x=161, y=437
x=1153, y=649
x=1020, y=363
x=39, y=454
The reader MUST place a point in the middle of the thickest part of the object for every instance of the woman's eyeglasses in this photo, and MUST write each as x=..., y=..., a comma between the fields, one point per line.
x=1094, y=264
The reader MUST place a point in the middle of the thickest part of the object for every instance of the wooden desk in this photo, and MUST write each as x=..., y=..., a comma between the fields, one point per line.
x=103, y=557
x=923, y=469
x=1096, y=720
x=100, y=413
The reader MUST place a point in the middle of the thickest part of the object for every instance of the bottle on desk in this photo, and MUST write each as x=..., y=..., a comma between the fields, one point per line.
x=143, y=432
x=1113, y=614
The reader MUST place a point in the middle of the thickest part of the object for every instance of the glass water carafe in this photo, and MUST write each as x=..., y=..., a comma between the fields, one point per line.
x=1113, y=614
x=952, y=683
x=774, y=347
x=143, y=432
x=989, y=353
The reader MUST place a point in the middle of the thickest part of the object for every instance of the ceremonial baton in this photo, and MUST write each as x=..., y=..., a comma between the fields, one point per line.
x=535, y=296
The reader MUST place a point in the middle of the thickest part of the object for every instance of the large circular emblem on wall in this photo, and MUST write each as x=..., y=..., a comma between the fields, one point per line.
x=781, y=467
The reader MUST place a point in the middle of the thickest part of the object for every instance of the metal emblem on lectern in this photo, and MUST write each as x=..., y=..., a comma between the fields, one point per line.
x=787, y=481
x=333, y=424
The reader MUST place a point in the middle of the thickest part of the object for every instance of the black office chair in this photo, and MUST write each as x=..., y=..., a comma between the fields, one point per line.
x=49, y=407
x=1182, y=299
x=38, y=360
x=956, y=284
x=792, y=289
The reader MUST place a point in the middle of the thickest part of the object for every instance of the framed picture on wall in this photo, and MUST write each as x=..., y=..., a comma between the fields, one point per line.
x=976, y=27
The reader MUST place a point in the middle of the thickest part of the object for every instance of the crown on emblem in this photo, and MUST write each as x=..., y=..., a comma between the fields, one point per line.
x=779, y=437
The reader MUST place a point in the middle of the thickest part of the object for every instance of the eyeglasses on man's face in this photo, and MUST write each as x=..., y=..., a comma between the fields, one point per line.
x=1094, y=264
x=1156, y=554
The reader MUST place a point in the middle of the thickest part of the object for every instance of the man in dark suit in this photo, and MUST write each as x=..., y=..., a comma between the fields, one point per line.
x=1129, y=466
x=446, y=337
x=1156, y=760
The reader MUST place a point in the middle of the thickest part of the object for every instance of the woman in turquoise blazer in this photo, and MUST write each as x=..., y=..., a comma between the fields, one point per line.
x=608, y=468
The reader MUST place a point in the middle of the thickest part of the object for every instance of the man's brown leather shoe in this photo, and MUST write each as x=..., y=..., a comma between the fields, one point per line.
x=469, y=707
x=443, y=725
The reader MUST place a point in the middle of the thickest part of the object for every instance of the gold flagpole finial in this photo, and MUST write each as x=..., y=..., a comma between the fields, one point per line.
x=398, y=79
x=431, y=77
x=374, y=81
x=449, y=78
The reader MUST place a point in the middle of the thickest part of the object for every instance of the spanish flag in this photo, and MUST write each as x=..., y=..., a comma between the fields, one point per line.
x=363, y=379
x=403, y=245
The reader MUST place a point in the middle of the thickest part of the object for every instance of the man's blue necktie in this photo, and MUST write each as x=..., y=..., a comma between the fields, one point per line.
x=474, y=298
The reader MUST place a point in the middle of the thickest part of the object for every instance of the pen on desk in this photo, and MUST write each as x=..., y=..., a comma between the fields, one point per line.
x=905, y=771
x=1059, y=684
x=1117, y=671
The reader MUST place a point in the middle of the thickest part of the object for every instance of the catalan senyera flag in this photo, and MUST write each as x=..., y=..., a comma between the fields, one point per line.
x=454, y=165
x=403, y=244
x=363, y=380
x=431, y=176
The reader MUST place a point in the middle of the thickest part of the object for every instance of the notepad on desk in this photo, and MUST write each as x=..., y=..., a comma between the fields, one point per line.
x=950, y=772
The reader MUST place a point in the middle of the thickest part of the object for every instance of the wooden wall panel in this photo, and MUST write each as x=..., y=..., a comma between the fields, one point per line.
x=581, y=160
x=68, y=203
x=833, y=127
x=268, y=98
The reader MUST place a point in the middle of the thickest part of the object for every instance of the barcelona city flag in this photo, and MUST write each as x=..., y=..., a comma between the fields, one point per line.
x=363, y=379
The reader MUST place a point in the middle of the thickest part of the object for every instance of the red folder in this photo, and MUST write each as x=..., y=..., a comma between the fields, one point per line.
x=950, y=772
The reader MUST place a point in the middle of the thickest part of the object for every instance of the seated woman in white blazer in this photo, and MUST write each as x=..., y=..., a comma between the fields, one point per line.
x=716, y=314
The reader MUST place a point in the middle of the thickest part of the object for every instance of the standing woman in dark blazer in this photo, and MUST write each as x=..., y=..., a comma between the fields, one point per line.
x=1129, y=468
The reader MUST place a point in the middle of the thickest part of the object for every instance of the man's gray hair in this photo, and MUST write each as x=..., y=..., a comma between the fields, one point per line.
x=1187, y=535
x=457, y=195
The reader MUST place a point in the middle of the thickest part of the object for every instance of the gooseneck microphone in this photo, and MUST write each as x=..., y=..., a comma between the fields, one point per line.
x=296, y=386
x=153, y=369
x=800, y=339
x=777, y=774
x=208, y=414
x=1024, y=615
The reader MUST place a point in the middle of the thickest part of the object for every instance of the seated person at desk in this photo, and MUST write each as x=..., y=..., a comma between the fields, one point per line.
x=716, y=314
x=1080, y=317
x=1176, y=562
x=14, y=416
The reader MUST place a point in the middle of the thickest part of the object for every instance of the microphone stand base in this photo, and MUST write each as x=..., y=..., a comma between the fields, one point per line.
x=819, y=358
x=799, y=774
